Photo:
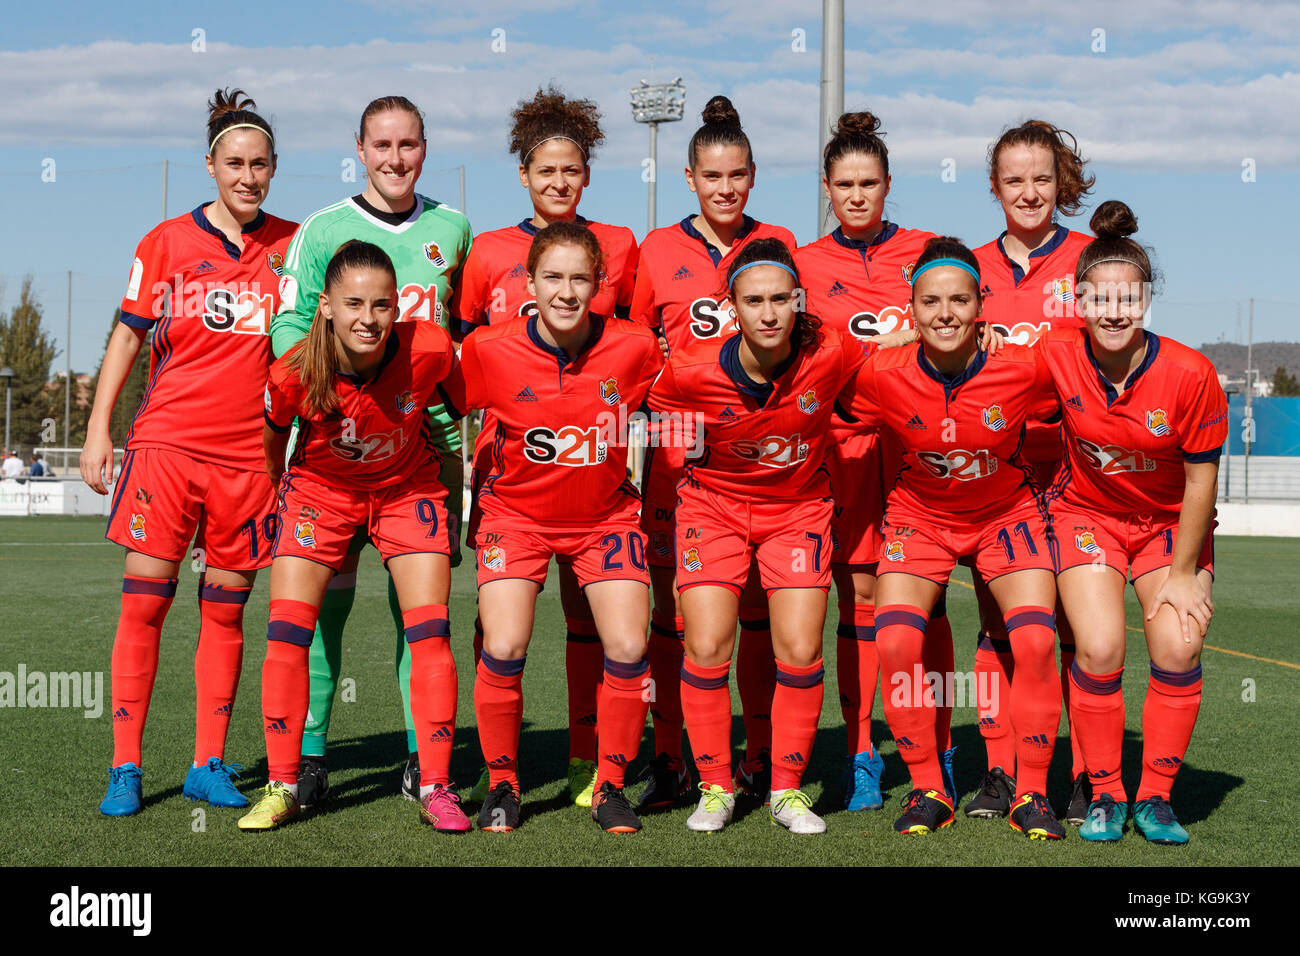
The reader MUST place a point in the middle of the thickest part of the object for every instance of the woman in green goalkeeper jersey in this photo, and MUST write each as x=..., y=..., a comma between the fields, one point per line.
x=427, y=242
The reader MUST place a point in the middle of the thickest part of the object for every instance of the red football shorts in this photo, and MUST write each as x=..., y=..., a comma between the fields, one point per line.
x=854, y=464
x=613, y=551
x=319, y=521
x=928, y=545
x=663, y=470
x=1133, y=545
x=719, y=536
x=164, y=500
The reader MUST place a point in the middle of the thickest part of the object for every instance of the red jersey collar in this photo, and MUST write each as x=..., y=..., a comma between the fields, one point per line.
x=748, y=225
x=1046, y=249
x=232, y=250
x=951, y=382
x=881, y=237
x=562, y=356
x=390, y=352
x=1109, y=390
x=528, y=228
x=729, y=360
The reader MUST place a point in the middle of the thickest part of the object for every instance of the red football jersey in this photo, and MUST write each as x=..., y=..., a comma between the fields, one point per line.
x=1024, y=305
x=493, y=284
x=863, y=288
x=379, y=434
x=761, y=440
x=210, y=306
x=1125, y=452
x=681, y=280
x=559, y=455
x=961, y=435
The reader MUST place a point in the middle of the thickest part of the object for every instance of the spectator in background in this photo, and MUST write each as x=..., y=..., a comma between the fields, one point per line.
x=38, y=469
x=12, y=467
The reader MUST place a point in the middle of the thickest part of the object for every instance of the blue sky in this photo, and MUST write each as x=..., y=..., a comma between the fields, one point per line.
x=1182, y=95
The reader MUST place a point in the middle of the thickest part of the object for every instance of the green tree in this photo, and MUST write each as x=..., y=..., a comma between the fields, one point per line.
x=128, y=400
x=56, y=406
x=1285, y=384
x=26, y=349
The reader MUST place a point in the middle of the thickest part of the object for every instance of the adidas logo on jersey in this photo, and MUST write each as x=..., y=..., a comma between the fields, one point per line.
x=1075, y=402
x=915, y=422
x=986, y=291
x=518, y=272
x=526, y=395
x=682, y=273
x=727, y=415
x=204, y=267
x=839, y=288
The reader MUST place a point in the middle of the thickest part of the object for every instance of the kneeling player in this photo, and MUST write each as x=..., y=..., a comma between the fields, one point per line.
x=1145, y=421
x=364, y=459
x=764, y=398
x=557, y=485
x=959, y=414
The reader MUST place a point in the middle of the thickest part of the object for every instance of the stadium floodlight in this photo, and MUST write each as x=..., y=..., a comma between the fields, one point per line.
x=7, y=374
x=652, y=104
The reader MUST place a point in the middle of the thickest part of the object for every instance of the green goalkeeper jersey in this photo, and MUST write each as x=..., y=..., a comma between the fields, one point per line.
x=428, y=249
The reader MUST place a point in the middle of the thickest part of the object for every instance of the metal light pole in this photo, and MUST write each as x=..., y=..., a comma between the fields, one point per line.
x=7, y=374
x=832, y=98
x=655, y=103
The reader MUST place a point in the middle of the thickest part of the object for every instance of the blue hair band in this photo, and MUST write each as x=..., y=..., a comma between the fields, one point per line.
x=974, y=273
x=761, y=262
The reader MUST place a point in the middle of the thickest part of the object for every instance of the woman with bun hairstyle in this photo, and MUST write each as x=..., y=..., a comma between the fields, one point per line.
x=1036, y=171
x=959, y=413
x=427, y=242
x=856, y=279
x=680, y=291
x=555, y=138
x=1145, y=421
x=758, y=494
x=359, y=380
x=206, y=283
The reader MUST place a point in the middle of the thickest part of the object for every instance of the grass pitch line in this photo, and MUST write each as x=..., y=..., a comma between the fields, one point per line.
x=1224, y=650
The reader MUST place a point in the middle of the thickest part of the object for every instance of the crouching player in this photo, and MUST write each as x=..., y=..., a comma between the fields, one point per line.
x=364, y=459
x=764, y=398
x=557, y=485
x=1145, y=421
x=959, y=414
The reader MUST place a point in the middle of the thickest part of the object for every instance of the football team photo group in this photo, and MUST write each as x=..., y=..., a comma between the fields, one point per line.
x=855, y=416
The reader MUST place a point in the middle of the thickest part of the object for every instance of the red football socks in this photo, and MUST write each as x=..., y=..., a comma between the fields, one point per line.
x=135, y=660
x=433, y=690
x=217, y=663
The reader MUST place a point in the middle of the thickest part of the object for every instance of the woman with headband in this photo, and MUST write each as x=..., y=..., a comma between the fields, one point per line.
x=1145, y=422
x=1036, y=172
x=206, y=283
x=680, y=293
x=555, y=138
x=763, y=397
x=959, y=414
x=427, y=242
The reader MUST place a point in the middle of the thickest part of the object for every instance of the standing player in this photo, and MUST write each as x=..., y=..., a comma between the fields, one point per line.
x=1145, y=421
x=856, y=280
x=959, y=414
x=759, y=493
x=557, y=485
x=427, y=242
x=555, y=138
x=365, y=457
x=678, y=292
x=1036, y=172
x=205, y=283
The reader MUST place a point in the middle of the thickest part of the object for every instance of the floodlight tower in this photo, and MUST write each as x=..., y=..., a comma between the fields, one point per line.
x=652, y=104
